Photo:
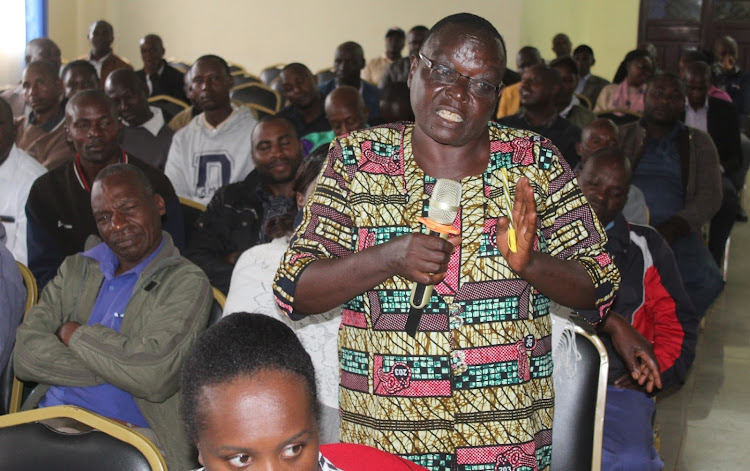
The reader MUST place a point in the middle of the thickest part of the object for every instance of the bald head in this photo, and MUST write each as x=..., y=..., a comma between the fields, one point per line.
x=43, y=49
x=348, y=61
x=152, y=53
x=345, y=109
x=598, y=134
x=101, y=37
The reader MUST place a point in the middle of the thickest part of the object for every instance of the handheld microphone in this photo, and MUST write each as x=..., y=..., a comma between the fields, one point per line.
x=444, y=205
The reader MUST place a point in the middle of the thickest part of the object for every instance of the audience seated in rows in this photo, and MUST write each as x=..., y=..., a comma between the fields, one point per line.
x=18, y=171
x=600, y=134
x=251, y=290
x=160, y=77
x=305, y=108
x=398, y=71
x=249, y=395
x=394, y=44
x=510, y=99
x=538, y=91
x=652, y=298
x=348, y=61
x=13, y=295
x=238, y=213
x=59, y=204
x=215, y=149
x=561, y=45
x=39, y=49
x=568, y=105
x=731, y=78
x=42, y=133
x=719, y=119
x=346, y=111
x=78, y=75
x=589, y=85
x=628, y=94
x=101, y=56
x=145, y=133
x=111, y=330
x=678, y=170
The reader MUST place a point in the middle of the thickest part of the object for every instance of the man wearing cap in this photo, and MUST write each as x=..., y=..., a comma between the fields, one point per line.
x=394, y=43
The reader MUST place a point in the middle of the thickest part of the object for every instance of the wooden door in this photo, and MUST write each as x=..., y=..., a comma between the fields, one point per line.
x=674, y=26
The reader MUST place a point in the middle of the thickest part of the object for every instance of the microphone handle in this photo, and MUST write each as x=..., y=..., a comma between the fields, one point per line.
x=420, y=294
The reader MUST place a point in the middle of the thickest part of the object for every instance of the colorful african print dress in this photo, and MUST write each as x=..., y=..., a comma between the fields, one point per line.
x=473, y=389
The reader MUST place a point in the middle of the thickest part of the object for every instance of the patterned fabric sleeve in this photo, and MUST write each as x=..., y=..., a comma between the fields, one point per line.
x=571, y=231
x=325, y=230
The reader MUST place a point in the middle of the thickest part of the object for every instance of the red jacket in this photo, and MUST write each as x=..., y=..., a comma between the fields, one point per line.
x=653, y=299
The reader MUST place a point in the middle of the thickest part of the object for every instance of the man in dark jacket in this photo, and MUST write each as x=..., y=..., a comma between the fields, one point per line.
x=652, y=298
x=160, y=77
x=59, y=205
x=719, y=119
x=238, y=214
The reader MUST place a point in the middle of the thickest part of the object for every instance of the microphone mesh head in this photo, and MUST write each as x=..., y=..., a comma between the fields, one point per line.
x=445, y=201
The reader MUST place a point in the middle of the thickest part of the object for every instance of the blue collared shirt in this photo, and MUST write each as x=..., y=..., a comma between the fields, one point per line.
x=109, y=310
x=659, y=176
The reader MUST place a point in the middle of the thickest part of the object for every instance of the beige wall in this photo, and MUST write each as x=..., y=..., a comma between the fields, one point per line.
x=257, y=33
x=610, y=27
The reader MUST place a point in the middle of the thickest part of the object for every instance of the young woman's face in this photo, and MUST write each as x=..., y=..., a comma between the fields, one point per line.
x=265, y=422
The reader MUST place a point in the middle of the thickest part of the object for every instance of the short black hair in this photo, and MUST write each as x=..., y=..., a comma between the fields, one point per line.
x=468, y=19
x=584, y=48
x=216, y=58
x=80, y=64
x=117, y=169
x=395, y=31
x=275, y=117
x=565, y=61
x=91, y=95
x=49, y=69
x=420, y=28
x=241, y=345
x=637, y=54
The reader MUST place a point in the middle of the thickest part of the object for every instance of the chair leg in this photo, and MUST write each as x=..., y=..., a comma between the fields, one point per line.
x=725, y=262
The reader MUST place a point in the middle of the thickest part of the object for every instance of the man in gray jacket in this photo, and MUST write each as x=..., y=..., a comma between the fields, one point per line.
x=677, y=169
x=112, y=328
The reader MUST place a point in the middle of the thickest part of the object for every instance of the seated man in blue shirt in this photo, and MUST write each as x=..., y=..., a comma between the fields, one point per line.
x=111, y=329
x=348, y=62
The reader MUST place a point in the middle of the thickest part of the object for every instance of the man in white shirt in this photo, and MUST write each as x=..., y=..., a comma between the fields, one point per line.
x=18, y=171
x=145, y=134
x=215, y=149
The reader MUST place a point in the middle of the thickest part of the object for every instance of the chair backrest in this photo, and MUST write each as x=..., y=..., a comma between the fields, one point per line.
x=169, y=105
x=179, y=65
x=579, y=407
x=257, y=93
x=259, y=110
x=217, y=307
x=584, y=100
x=26, y=443
x=235, y=69
x=241, y=79
x=270, y=73
x=11, y=389
x=620, y=116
